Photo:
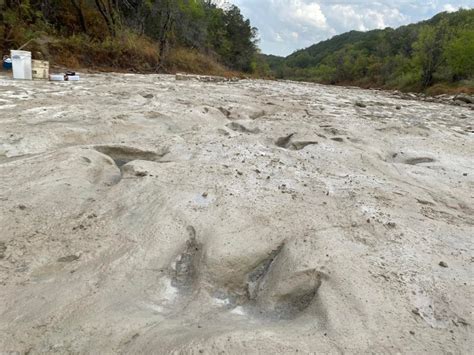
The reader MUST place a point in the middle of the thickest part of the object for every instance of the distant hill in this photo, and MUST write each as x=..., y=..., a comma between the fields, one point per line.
x=439, y=51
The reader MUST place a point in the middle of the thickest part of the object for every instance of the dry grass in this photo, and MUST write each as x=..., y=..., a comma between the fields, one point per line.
x=461, y=88
x=130, y=52
x=194, y=62
x=127, y=52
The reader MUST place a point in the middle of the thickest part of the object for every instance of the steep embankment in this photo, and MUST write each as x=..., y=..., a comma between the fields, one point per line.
x=141, y=214
x=145, y=36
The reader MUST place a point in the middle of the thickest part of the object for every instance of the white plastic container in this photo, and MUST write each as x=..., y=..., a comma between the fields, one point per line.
x=21, y=63
x=73, y=77
x=56, y=77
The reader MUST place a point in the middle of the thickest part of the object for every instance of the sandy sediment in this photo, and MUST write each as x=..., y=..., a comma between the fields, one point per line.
x=140, y=214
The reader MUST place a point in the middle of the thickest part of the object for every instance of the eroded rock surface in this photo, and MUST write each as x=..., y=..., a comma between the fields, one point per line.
x=141, y=214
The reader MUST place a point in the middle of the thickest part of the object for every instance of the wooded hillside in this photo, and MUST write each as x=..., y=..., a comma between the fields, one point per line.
x=432, y=54
x=146, y=35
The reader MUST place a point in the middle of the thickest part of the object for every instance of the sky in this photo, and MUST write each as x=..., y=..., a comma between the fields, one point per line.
x=287, y=25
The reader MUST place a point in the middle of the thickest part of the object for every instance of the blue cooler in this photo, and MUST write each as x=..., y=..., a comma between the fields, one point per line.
x=7, y=64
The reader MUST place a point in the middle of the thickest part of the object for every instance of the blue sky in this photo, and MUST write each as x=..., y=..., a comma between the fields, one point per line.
x=287, y=25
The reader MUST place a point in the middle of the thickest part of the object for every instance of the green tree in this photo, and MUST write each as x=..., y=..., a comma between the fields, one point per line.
x=428, y=51
x=241, y=35
x=460, y=54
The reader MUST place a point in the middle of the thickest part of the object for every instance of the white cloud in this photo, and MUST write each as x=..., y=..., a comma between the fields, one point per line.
x=356, y=17
x=287, y=25
x=450, y=8
x=306, y=14
x=278, y=37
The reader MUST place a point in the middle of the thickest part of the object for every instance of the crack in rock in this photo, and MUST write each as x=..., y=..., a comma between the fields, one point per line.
x=186, y=268
x=237, y=127
x=122, y=155
x=287, y=143
x=255, y=277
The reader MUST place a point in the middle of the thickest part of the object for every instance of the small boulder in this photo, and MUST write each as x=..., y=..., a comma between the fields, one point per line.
x=459, y=103
x=464, y=98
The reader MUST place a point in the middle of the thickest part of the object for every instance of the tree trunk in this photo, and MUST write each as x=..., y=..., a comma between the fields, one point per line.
x=80, y=15
x=103, y=9
x=166, y=28
x=427, y=78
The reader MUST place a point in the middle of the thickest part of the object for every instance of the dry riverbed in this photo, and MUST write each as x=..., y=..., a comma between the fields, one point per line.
x=140, y=214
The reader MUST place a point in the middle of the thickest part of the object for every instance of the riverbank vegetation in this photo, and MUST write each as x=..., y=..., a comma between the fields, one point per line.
x=433, y=56
x=140, y=35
